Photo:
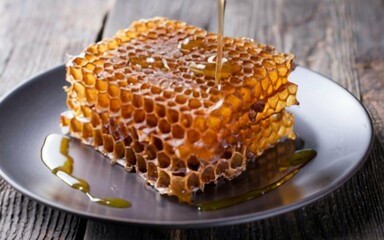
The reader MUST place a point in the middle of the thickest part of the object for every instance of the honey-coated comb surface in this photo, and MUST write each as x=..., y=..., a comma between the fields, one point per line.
x=147, y=99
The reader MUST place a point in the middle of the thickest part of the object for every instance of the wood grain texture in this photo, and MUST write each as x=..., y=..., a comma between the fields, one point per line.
x=36, y=35
x=341, y=39
x=22, y=218
x=370, y=60
x=199, y=13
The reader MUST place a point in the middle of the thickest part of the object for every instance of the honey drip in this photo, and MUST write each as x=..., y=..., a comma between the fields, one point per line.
x=55, y=156
x=220, y=34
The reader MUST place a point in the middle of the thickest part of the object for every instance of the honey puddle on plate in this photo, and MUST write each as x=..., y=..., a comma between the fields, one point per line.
x=264, y=174
x=272, y=169
x=55, y=155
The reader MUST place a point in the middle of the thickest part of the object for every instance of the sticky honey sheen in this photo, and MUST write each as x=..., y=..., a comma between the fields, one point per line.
x=55, y=155
x=275, y=167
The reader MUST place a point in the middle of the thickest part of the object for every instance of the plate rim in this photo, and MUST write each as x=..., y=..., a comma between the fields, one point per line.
x=200, y=223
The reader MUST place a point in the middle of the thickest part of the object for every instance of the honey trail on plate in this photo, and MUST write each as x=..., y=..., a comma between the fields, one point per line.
x=272, y=169
x=55, y=155
x=255, y=193
x=220, y=32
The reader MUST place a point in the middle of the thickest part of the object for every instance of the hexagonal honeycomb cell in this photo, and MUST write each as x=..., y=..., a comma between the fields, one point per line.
x=147, y=98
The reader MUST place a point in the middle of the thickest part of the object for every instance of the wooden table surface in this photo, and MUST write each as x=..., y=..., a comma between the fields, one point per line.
x=342, y=39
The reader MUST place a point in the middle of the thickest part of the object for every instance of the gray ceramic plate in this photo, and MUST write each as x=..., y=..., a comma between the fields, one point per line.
x=329, y=118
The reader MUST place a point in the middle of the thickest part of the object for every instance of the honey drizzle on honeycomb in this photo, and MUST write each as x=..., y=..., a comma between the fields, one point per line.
x=147, y=98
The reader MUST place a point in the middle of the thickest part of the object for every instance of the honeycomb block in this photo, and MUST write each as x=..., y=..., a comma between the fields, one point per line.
x=147, y=98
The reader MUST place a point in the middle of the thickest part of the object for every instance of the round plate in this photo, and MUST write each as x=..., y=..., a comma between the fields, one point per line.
x=329, y=119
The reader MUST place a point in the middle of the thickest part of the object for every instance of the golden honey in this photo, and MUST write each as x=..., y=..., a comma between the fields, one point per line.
x=55, y=155
x=220, y=34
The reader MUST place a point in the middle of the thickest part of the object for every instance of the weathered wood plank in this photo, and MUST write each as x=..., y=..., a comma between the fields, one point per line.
x=341, y=39
x=199, y=12
x=370, y=59
x=36, y=35
x=23, y=218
